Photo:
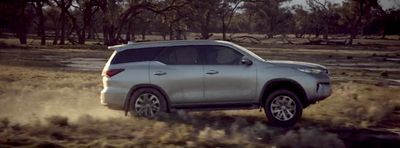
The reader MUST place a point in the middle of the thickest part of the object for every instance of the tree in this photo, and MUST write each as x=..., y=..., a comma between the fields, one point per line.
x=357, y=14
x=301, y=20
x=63, y=5
x=17, y=14
x=143, y=21
x=225, y=12
x=384, y=23
x=270, y=17
x=201, y=15
x=174, y=21
x=323, y=16
x=81, y=20
x=38, y=5
x=117, y=13
x=391, y=22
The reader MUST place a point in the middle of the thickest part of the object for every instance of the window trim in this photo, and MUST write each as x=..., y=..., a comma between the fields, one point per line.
x=168, y=49
x=201, y=57
x=204, y=55
x=119, y=53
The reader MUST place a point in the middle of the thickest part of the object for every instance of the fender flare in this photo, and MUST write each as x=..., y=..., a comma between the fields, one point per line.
x=268, y=86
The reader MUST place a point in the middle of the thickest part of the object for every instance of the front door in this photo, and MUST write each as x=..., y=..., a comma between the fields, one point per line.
x=226, y=79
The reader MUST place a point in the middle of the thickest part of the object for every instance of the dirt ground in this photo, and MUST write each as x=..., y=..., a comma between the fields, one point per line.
x=49, y=97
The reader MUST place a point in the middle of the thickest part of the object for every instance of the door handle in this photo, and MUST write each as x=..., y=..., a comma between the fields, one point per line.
x=211, y=72
x=160, y=73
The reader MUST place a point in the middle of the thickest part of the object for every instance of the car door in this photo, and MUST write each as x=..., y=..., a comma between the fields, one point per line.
x=227, y=79
x=179, y=72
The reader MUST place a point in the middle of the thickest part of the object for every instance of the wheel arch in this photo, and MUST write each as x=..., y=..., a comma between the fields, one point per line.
x=283, y=83
x=140, y=86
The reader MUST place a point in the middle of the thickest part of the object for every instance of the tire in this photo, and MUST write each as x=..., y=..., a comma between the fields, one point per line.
x=147, y=102
x=283, y=108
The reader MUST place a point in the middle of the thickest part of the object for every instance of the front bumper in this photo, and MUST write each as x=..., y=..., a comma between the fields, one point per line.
x=324, y=90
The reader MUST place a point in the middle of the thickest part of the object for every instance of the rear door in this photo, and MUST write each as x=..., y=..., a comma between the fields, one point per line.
x=226, y=79
x=179, y=71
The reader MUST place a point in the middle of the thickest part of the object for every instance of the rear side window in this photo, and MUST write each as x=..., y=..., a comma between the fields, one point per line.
x=180, y=55
x=136, y=55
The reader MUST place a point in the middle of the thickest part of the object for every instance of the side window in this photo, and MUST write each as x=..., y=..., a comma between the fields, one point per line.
x=220, y=55
x=135, y=55
x=180, y=55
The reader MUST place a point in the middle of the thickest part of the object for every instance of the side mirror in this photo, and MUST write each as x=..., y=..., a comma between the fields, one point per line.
x=246, y=61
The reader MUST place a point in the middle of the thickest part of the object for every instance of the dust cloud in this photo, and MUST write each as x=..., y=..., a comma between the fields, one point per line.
x=30, y=94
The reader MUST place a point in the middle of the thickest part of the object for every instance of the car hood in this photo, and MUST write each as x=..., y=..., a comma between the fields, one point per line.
x=295, y=64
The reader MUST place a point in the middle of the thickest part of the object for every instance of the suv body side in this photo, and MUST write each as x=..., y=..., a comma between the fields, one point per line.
x=198, y=84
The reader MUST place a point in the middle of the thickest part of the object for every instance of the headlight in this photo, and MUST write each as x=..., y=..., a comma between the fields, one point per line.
x=311, y=70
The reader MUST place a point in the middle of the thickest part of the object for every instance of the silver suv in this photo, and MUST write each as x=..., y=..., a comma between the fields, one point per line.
x=146, y=79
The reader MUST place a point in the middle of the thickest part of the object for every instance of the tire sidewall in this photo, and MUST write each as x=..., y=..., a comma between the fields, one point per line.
x=137, y=93
x=276, y=122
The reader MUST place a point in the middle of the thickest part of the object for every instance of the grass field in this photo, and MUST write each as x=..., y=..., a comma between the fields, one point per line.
x=48, y=101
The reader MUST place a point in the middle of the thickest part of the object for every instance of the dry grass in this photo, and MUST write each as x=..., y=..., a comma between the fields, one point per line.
x=47, y=107
x=355, y=105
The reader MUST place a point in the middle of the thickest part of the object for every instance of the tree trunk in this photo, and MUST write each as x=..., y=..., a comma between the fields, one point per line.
x=111, y=35
x=128, y=32
x=42, y=31
x=316, y=34
x=223, y=29
x=105, y=35
x=128, y=36
x=205, y=33
x=164, y=35
x=22, y=36
x=143, y=35
x=62, y=21
x=133, y=35
x=179, y=34
x=21, y=24
x=56, y=35
x=325, y=36
x=171, y=32
x=64, y=6
x=82, y=37
x=383, y=34
x=42, y=19
x=90, y=33
x=352, y=36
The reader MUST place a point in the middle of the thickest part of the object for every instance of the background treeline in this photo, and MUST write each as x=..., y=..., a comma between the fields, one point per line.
x=119, y=21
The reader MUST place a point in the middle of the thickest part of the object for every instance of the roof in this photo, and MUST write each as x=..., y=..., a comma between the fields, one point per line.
x=167, y=43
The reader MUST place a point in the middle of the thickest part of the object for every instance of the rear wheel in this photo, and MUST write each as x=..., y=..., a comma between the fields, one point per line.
x=147, y=102
x=283, y=108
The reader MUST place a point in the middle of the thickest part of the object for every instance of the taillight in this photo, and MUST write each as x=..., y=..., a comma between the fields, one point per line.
x=111, y=72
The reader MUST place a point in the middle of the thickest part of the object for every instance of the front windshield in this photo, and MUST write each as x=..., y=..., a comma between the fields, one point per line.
x=249, y=52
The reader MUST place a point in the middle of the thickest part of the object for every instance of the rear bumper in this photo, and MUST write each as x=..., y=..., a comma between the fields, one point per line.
x=112, y=99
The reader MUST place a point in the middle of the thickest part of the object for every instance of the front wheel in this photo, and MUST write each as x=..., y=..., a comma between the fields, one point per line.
x=147, y=102
x=283, y=108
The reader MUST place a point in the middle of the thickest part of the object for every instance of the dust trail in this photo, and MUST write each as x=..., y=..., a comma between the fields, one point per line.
x=33, y=94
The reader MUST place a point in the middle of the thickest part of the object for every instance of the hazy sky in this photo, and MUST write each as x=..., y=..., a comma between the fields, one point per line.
x=386, y=4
